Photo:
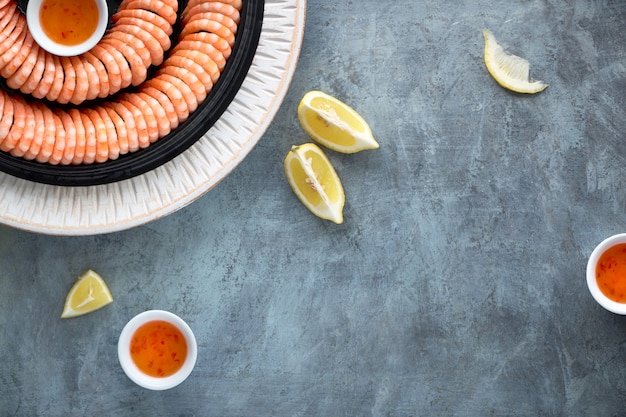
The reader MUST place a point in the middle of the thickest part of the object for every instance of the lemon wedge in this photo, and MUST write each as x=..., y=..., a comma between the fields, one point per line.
x=334, y=124
x=89, y=293
x=315, y=182
x=510, y=71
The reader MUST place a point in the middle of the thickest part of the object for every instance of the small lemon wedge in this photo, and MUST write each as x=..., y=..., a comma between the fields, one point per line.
x=510, y=71
x=334, y=124
x=89, y=293
x=315, y=182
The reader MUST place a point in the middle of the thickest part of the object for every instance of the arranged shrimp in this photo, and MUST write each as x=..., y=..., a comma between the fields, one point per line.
x=211, y=6
x=36, y=73
x=145, y=16
x=79, y=150
x=162, y=9
x=38, y=134
x=21, y=74
x=69, y=149
x=24, y=141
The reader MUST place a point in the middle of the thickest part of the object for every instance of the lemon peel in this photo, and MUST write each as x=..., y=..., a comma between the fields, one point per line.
x=89, y=293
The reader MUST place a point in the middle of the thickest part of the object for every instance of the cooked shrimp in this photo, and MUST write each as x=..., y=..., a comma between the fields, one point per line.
x=81, y=141
x=143, y=137
x=152, y=125
x=137, y=70
x=205, y=61
x=102, y=74
x=69, y=150
x=163, y=123
x=16, y=62
x=45, y=83
x=237, y=4
x=190, y=81
x=33, y=80
x=93, y=82
x=58, y=81
x=211, y=6
x=58, y=149
x=113, y=140
x=125, y=71
x=155, y=50
x=26, y=138
x=6, y=120
x=210, y=39
x=216, y=17
x=69, y=81
x=17, y=128
x=131, y=41
x=39, y=133
x=17, y=80
x=11, y=31
x=13, y=50
x=102, y=142
x=181, y=61
x=205, y=48
x=120, y=129
x=164, y=101
x=112, y=67
x=47, y=142
x=157, y=32
x=82, y=81
x=145, y=16
x=173, y=93
x=91, y=140
x=157, y=6
x=211, y=26
x=129, y=122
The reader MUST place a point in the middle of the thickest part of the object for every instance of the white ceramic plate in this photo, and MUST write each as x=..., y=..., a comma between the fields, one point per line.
x=57, y=210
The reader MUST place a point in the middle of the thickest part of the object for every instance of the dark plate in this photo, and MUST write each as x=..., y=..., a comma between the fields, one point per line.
x=172, y=145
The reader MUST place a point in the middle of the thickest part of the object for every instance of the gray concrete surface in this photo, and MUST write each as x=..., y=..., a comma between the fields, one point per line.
x=456, y=285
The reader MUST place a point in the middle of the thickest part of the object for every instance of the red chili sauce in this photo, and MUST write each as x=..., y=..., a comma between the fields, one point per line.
x=158, y=348
x=611, y=273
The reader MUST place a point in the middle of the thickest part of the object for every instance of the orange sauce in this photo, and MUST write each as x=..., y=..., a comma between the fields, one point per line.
x=158, y=348
x=611, y=273
x=69, y=22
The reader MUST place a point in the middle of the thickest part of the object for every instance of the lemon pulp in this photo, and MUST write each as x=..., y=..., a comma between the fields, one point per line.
x=89, y=293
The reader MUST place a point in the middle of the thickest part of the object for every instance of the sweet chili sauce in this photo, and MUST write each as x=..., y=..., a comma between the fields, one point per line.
x=611, y=273
x=69, y=22
x=158, y=348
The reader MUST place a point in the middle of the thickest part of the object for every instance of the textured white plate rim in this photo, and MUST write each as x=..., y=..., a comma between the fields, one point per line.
x=73, y=211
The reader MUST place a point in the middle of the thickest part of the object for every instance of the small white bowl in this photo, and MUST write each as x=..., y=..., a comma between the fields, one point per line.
x=133, y=372
x=603, y=300
x=34, y=26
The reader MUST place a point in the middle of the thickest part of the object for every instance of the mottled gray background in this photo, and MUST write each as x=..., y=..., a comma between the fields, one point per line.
x=456, y=285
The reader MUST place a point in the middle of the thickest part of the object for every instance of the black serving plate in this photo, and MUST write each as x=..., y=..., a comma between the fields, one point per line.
x=170, y=146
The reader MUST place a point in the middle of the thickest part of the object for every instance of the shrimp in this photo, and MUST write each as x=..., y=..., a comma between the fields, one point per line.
x=145, y=16
x=45, y=83
x=216, y=17
x=174, y=94
x=181, y=61
x=16, y=62
x=90, y=139
x=125, y=72
x=211, y=6
x=189, y=80
x=152, y=125
x=93, y=82
x=163, y=124
x=155, y=50
x=58, y=149
x=13, y=50
x=69, y=81
x=47, y=142
x=237, y=4
x=9, y=33
x=100, y=134
x=6, y=120
x=155, y=31
x=129, y=122
x=24, y=141
x=69, y=150
x=33, y=80
x=17, y=127
x=131, y=41
x=113, y=142
x=79, y=150
x=137, y=71
x=82, y=81
x=211, y=26
x=58, y=81
x=205, y=61
x=39, y=133
x=204, y=47
x=210, y=39
x=102, y=74
x=112, y=67
x=164, y=101
x=143, y=138
x=19, y=77
x=157, y=6
x=120, y=129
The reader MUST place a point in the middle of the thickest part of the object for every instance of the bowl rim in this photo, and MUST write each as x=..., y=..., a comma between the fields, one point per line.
x=40, y=37
x=592, y=284
x=133, y=372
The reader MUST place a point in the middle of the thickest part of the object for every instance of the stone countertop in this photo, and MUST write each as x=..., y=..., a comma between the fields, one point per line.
x=454, y=287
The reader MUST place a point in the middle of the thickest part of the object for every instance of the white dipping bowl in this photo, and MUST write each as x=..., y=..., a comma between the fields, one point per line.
x=34, y=26
x=592, y=283
x=133, y=372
